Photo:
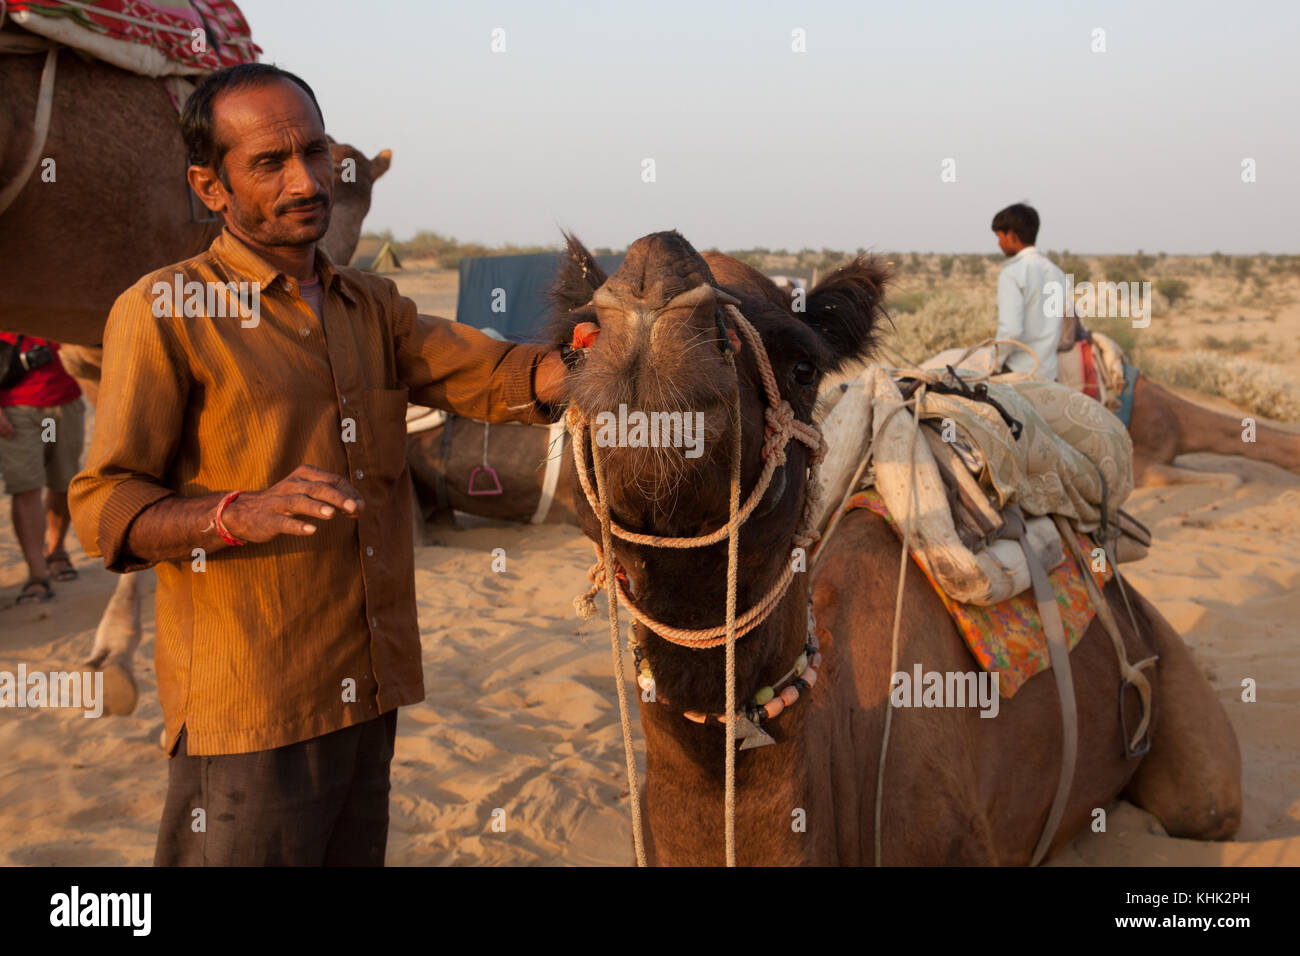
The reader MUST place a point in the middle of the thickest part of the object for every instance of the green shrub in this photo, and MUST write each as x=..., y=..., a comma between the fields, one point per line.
x=1075, y=266
x=1174, y=290
x=945, y=265
x=1122, y=269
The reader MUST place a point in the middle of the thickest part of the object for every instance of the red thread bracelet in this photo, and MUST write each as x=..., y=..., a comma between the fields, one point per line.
x=226, y=536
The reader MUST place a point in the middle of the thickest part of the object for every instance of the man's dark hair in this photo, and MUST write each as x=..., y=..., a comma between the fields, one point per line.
x=198, y=127
x=1020, y=219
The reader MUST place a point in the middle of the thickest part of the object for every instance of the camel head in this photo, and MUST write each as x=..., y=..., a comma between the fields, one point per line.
x=354, y=179
x=654, y=345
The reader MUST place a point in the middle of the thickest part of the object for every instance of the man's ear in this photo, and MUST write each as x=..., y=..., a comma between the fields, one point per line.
x=203, y=180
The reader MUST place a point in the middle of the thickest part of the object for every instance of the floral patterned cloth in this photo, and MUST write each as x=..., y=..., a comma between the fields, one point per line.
x=1008, y=638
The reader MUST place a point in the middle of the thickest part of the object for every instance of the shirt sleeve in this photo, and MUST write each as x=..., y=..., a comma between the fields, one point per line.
x=143, y=393
x=456, y=367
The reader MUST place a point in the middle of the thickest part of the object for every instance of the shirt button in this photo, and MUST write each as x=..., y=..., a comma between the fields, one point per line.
x=370, y=552
x=304, y=332
x=345, y=399
x=374, y=622
x=360, y=474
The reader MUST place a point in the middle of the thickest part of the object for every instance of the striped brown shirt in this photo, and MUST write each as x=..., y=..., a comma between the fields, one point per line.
x=260, y=647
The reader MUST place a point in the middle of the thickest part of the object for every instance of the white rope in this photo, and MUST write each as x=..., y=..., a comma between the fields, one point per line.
x=916, y=402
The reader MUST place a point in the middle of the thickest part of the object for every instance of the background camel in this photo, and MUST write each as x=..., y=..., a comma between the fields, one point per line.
x=118, y=208
x=443, y=459
x=959, y=788
x=1164, y=426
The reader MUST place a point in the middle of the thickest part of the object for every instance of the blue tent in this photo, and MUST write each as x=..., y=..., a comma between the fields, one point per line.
x=511, y=293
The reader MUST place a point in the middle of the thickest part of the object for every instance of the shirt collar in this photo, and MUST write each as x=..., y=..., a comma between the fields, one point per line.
x=1025, y=253
x=243, y=261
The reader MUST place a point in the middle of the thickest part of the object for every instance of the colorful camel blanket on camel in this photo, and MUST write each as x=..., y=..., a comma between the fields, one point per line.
x=149, y=37
x=1007, y=638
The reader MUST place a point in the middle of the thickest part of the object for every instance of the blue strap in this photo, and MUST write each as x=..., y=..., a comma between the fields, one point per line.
x=1126, y=397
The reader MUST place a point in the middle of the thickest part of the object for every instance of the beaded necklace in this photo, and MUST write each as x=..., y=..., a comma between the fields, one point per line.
x=766, y=703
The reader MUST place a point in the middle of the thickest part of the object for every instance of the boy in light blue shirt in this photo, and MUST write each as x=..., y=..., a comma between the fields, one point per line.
x=1024, y=290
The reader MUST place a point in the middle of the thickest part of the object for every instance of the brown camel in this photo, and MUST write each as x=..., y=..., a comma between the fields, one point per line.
x=118, y=208
x=443, y=460
x=1163, y=426
x=957, y=788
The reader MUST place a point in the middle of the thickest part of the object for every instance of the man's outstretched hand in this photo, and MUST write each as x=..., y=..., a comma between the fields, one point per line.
x=307, y=492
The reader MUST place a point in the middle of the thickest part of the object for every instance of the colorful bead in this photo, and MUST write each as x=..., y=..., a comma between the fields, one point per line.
x=810, y=678
x=764, y=695
x=817, y=659
x=645, y=682
x=790, y=695
x=801, y=663
x=773, y=707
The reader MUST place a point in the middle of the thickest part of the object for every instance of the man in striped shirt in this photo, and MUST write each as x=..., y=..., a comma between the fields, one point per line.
x=250, y=445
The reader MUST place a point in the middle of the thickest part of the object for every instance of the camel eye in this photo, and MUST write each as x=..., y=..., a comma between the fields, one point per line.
x=805, y=373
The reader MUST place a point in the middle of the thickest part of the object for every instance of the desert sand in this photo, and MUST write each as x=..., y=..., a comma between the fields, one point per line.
x=521, y=716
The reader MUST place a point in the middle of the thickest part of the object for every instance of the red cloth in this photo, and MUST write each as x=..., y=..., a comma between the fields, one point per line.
x=165, y=27
x=48, y=385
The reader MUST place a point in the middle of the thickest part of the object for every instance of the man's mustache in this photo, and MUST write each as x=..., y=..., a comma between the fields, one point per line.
x=320, y=199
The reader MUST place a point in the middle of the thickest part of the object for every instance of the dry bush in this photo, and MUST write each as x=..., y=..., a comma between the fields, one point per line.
x=944, y=320
x=1255, y=386
x=1238, y=343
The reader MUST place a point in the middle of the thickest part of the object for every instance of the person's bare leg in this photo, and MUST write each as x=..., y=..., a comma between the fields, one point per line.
x=28, y=522
x=57, y=519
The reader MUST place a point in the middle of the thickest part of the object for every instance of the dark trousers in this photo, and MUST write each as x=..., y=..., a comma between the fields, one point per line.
x=319, y=802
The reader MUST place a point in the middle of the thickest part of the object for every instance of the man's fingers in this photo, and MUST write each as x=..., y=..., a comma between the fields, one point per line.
x=307, y=505
x=337, y=493
x=283, y=524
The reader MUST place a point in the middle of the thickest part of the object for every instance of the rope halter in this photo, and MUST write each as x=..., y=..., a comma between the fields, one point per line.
x=781, y=427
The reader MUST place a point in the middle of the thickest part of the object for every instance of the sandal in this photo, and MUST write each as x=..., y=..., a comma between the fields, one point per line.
x=36, y=591
x=65, y=573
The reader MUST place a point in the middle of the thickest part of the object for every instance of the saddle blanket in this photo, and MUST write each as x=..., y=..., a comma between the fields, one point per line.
x=149, y=37
x=1099, y=368
x=1007, y=638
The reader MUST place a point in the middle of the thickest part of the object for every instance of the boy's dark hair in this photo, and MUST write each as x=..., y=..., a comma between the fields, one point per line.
x=1020, y=219
x=197, y=123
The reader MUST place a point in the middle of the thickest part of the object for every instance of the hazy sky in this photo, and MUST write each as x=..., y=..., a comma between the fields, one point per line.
x=840, y=146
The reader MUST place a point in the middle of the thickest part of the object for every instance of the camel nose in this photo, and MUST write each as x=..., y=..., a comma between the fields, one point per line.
x=686, y=319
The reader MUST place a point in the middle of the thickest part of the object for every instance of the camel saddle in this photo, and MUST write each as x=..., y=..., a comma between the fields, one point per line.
x=1072, y=458
x=997, y=482
x=147, y=37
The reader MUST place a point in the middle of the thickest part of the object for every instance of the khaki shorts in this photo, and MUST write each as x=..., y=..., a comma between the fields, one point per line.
x=45, y=449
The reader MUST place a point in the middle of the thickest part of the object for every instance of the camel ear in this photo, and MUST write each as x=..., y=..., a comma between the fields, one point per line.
x=580, y=276
x=379, y=165
x=846, y=306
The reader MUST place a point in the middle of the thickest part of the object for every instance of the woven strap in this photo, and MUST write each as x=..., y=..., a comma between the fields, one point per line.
x=1049, y=612
x=40, y=130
